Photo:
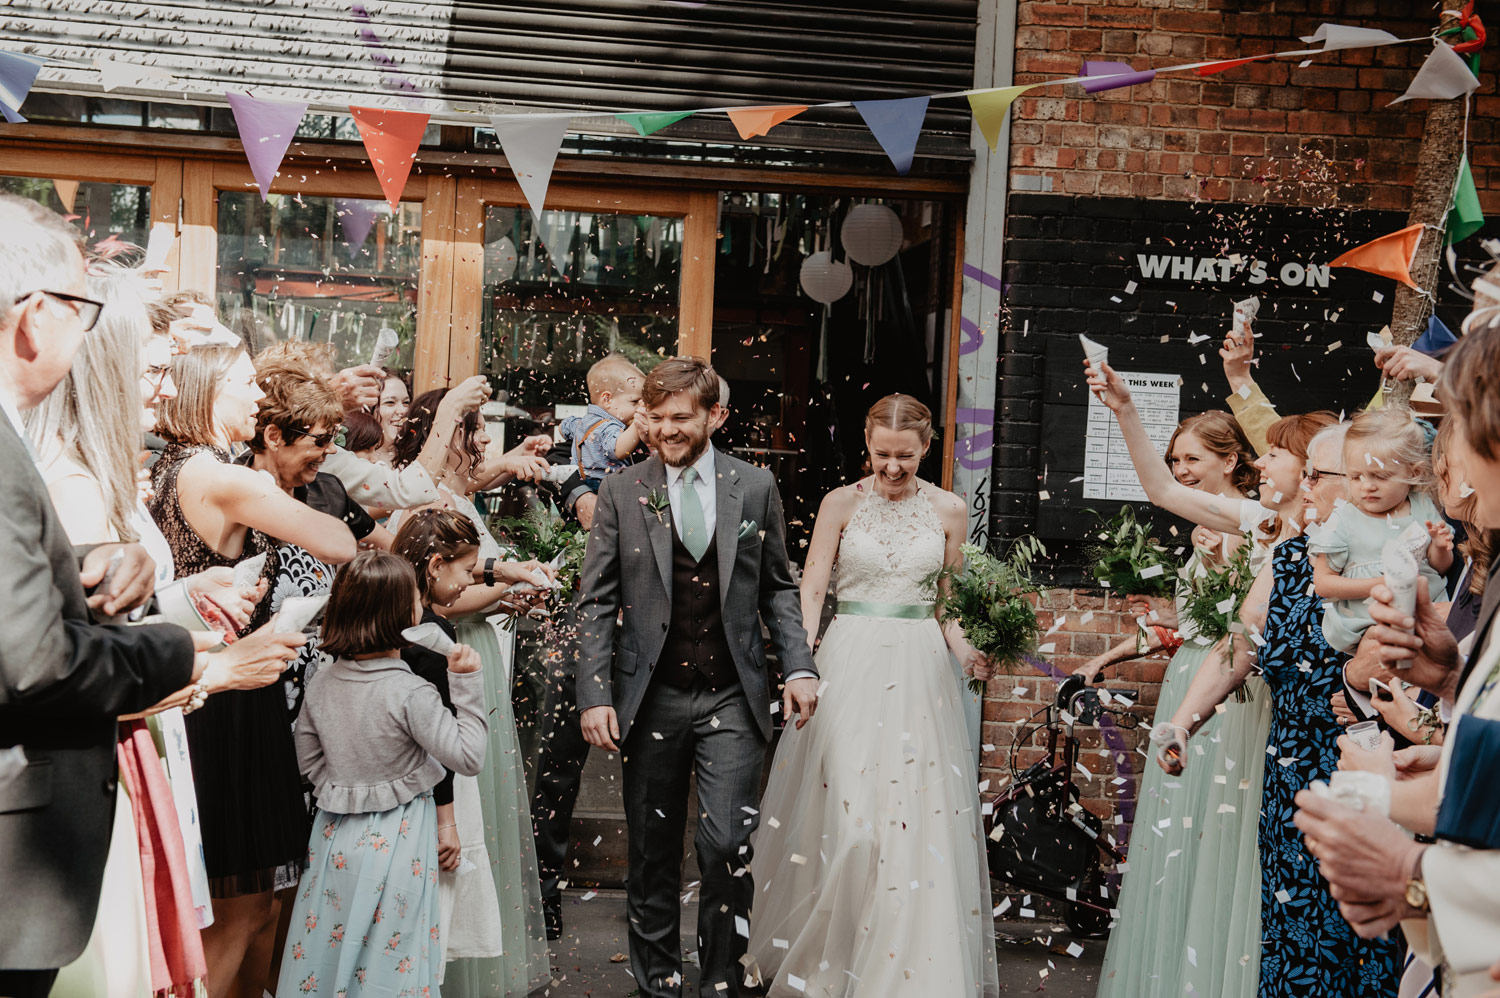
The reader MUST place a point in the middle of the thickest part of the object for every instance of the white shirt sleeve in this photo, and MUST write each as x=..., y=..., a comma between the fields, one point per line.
x=372, y=484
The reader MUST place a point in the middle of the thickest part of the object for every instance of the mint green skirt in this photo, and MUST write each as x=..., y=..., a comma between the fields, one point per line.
x=1145, y=954
x=508, y=837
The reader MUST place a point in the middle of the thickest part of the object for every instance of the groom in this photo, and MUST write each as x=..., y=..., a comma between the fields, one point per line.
x=688, y=554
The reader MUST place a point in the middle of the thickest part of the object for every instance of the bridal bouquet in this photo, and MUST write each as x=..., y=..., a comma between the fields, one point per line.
x=988, y=598
x=1212, y=608
x=542, y=533
x=1128, y=560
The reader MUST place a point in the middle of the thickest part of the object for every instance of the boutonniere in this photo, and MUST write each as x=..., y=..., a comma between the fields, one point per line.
x=658, y=503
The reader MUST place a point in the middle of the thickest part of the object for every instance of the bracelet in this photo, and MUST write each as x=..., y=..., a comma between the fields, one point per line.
x=197, y=698
x=452, y=824
x=489, y=571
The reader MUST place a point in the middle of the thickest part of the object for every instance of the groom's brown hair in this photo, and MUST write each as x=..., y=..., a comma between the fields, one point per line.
x=681, y=374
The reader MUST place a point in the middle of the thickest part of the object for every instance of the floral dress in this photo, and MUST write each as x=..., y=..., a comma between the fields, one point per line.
x=1307, y=949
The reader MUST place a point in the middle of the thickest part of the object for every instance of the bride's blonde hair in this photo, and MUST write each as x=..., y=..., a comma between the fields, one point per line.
x=901, y=412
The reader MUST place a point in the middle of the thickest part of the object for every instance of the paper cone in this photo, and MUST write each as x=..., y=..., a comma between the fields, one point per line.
x=391, y=138
x=1389, y=256
x=530, y=143
x=266, y=130
x=753, y=121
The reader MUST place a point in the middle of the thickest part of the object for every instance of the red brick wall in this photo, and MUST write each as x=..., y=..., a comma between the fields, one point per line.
x=1074, y=641
x=1266, y=131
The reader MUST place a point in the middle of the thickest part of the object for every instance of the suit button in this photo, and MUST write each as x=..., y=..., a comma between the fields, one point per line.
x=109, y=786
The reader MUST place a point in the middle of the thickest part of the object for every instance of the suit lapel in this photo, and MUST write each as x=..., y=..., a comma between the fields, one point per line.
x=658, y=525
x=730, y=503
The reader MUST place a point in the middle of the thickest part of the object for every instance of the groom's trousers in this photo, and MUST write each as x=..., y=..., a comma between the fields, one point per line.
x=678, y=732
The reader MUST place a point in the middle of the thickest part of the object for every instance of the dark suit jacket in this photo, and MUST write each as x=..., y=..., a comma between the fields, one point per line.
x=628, y=567
x=63, y=680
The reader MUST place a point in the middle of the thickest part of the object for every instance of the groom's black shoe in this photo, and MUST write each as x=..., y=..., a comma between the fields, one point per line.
x=552, y=913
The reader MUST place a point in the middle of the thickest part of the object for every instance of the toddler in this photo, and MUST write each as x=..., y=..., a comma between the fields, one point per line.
x=374, y=739
x=1386, y=465
x=605, y=436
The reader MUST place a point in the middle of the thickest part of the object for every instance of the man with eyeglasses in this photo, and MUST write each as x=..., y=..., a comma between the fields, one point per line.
x=63, y=678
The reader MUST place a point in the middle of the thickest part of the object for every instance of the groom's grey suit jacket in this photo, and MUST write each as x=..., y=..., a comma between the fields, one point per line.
x=626, y=604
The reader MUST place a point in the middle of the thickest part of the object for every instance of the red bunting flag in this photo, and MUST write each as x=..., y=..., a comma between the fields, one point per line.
x=1389, y=256
x=753, y=121
x=391, y=138
x=1219, y=67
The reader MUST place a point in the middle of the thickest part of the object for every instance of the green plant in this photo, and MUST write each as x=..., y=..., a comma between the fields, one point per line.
x=543, y=534
x=989, y=598
x=1128, y=560
x=1215, y=597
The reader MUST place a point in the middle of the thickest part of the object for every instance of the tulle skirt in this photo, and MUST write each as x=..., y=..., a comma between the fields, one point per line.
x=869, y=864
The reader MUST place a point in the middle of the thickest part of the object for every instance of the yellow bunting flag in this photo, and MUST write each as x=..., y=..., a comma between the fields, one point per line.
x=753, y=121
x=989, y=109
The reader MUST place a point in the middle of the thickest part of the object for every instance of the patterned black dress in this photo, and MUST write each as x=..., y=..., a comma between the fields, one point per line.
x=1307, y=949
x=244, y=763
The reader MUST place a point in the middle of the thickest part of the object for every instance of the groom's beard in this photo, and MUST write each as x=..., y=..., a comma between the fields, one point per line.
x=684, y=447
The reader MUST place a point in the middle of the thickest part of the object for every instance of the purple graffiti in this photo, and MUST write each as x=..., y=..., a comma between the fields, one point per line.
x=983, y=277
x=973, y=338
x=974, y=452
x=984, y=417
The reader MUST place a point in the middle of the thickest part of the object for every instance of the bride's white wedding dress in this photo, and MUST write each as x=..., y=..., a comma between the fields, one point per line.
x=869, y=865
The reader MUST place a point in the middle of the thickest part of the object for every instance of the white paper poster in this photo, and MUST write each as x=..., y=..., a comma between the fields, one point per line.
x=1107, y=469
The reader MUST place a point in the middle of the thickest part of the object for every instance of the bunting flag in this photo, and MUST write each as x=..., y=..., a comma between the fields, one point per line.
x=896, y=125
x=531, y=144
x=67, y=193
x=266, y=130
x=648, y=123
x=1435, y=338
x=113, y=74
x=989, y=109
x=1389, y=256
x=1465, y=217
x=1113, y=76
x=355, y=217
x=391, y=138
x=1443, y=76
x=1218, y=67
x=1347, y=36
x=17, y=74
x=753, y=121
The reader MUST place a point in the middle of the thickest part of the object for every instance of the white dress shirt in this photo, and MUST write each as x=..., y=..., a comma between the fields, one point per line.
x=705, y=487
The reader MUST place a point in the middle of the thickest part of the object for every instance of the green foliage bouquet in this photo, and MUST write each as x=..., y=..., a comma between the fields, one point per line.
x=542, y=533
x=988, y=598
x=1213, y=605
x=1129, y=561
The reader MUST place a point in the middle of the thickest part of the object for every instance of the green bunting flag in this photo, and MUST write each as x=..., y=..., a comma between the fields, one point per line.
x=647, y=122
x=1465, y=217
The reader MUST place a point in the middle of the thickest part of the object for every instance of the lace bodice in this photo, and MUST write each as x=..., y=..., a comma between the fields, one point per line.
x=889, y=550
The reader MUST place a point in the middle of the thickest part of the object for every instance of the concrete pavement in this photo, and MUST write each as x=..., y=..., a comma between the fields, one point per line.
x=590, y=958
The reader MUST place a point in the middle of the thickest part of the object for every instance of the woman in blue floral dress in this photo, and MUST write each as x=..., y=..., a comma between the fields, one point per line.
x=1307, y=949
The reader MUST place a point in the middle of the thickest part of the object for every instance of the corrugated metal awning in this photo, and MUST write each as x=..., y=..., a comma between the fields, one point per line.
x=462, y=59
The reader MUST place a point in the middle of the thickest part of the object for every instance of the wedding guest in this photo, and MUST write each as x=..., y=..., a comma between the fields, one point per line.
x=374, y=739
x=216, y=513
x=605, y=436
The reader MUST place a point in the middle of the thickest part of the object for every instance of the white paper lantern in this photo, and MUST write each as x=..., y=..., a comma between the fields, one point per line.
x=825, y=280
x=499, y=260
x=872, y=234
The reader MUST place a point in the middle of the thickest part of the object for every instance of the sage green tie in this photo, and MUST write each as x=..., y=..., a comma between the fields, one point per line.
x=694, y=531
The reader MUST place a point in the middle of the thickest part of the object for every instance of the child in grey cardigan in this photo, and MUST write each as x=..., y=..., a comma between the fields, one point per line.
x=374, y=739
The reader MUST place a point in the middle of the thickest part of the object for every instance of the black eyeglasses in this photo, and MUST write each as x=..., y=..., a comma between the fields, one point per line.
x=320, y=441
x=1315, y=474
x=88, y=310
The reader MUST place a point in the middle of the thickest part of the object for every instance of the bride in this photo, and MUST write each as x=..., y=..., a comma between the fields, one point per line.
x=870, y=857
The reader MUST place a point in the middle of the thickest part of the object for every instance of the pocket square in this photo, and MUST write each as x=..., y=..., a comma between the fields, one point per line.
x=748, y=527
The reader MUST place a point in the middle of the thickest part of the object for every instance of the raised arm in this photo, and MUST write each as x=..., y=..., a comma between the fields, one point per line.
x=1252, y=410
x=1214, y=512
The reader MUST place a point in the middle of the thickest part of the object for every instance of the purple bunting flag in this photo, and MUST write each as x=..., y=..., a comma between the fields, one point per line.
x=896, y=125
x=1113, y=76
x=266, y=130
x=356, y=216
x=17, y=74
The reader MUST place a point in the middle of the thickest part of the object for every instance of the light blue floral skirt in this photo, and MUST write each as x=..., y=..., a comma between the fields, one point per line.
x=365, y=921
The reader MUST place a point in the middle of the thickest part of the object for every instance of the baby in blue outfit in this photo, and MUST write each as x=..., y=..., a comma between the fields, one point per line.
x=605, y=436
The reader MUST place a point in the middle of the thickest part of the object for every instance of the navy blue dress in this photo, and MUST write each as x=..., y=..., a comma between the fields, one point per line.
x=1307, y=949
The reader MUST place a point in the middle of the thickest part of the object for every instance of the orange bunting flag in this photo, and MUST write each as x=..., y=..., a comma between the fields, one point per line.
x=753, y=121
x=67, y=191
x=391, y=138
x=1389, y=256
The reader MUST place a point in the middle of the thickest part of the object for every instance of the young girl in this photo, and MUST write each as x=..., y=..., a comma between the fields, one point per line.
x=374, y=739
x=1385, y=462
x=442, y=546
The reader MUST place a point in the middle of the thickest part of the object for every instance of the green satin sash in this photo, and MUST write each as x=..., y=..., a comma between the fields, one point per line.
x=900, y=611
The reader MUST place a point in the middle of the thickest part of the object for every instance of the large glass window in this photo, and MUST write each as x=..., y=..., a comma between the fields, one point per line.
x=822, y=305
x=334, y=270
x=101, y=210
x=561, y=294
